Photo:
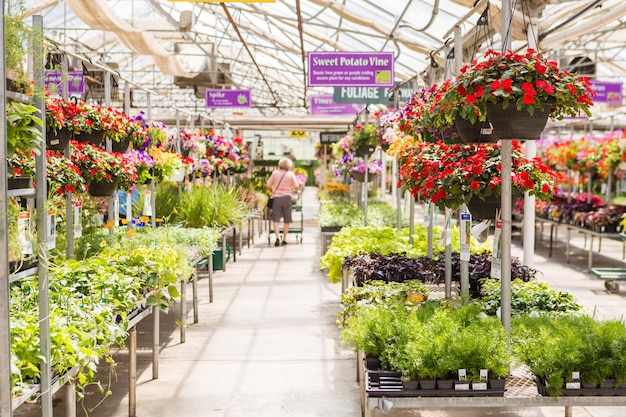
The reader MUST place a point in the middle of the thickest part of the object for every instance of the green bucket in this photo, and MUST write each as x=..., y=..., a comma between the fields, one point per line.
x=218, y=262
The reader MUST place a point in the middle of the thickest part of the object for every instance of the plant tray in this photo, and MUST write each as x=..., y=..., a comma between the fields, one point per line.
x=583, y=392
x=389, y=384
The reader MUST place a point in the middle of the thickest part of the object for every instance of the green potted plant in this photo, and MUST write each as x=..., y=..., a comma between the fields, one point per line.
x=365, y=139
x=23, y=127
x=16, y=45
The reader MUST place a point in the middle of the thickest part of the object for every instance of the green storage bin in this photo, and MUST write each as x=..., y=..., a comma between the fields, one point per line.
x=217, y=258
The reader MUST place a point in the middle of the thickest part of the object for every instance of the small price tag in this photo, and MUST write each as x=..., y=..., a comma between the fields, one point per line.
x=51, y=237
x=484, y=374
x=462, y=375
x=24, y=234
x=78, y=218
x=147, y=203
x=479, y=386
x=116, y=210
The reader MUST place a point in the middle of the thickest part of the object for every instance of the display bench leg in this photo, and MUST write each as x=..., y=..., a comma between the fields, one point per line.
x=156, y=317
x=132, y=372
x=194, y=289
x=551, y=240
x=70, y=399
x=183, y=310
x=210, y=266
x=590, y=258
x=568, y=235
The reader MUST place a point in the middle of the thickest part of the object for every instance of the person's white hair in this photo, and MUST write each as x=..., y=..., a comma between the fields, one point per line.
x=285, y=163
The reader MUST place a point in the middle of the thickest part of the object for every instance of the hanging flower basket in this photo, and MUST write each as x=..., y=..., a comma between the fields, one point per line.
x=58, y=141
x=177, y=176
x=121, y=147
x=511, y=123
x=102, y=188
x=484, y=209
x=365, y=150
x=17, y=183
x=479, y=132
x=360, y=176
x=93, y=138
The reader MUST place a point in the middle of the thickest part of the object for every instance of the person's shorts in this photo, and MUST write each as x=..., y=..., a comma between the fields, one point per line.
x=281, y=209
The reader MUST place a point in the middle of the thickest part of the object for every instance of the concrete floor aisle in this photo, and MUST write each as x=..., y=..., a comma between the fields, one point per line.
x=266, y=346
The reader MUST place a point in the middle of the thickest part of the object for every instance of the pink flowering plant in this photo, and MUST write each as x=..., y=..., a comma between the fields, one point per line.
x=144, y=164
x=373, y=166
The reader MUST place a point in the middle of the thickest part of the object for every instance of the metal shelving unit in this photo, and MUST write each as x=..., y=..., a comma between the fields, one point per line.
x=7, y=403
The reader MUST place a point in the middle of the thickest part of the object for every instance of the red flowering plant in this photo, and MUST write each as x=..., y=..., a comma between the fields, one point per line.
x=527, y=81
x=97, y=165
x=451, y=175
x=77, y=117
x=62, y=174
x=117, y=125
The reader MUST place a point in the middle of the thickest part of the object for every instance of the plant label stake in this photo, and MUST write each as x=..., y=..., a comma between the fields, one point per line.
x=466, y=233
x=496, y=259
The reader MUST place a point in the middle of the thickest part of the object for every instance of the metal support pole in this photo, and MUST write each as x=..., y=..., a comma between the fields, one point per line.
x=411, y=218
x=156, y=324
x=6, y=409
x=506, y=234
x=448, y=256
x=153, y=204
x=132, y=372
x=42, y=227
x=529, y=200
x=609, y=185
x=458, y=48
x=383, y=173
x=365, y=188
x=431, y=225
x=394, y=178
x=69, y=198
x=568, y=411
x=464, y=265
x=506, y=188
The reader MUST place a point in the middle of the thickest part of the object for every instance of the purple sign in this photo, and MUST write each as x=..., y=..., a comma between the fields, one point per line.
x=607, y=92
x=75, y=82
x=228, y=98
x=324, y=105
x=355, y=69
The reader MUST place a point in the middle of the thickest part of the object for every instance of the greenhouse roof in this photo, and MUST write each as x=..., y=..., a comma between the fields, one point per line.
x=177, y=50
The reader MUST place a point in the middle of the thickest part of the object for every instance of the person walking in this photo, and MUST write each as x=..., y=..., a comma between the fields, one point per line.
x=281, y=184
